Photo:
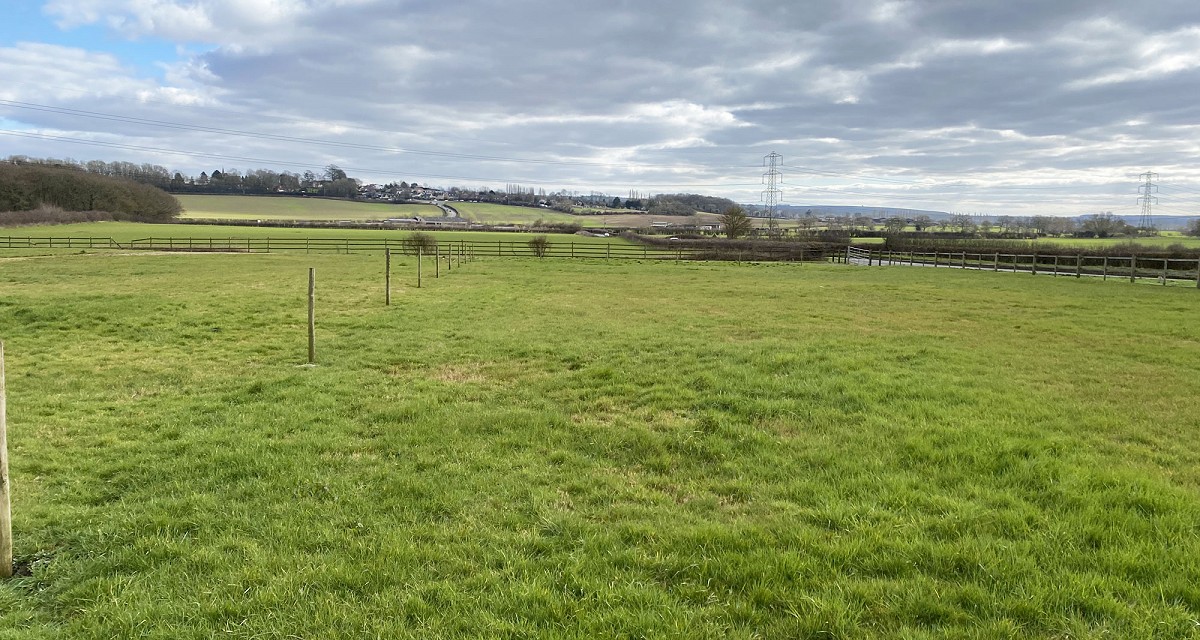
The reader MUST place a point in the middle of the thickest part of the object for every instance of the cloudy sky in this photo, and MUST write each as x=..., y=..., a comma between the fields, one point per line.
x=980, y=106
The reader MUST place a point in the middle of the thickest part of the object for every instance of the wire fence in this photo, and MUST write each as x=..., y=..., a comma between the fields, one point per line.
x=1133, y=268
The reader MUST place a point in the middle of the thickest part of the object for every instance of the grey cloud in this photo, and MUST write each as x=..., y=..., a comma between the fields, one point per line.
x=679, y=92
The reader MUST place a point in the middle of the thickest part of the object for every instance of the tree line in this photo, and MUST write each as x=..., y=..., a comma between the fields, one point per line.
x=51, y=189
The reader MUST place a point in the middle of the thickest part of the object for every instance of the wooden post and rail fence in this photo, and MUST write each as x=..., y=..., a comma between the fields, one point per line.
x=1133, y=267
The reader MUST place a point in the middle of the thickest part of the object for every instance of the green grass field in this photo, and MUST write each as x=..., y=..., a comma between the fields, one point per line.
x=126, y=231
x=281, y=208
x=490, y=213
x=559, y=449
x=1156, y=241
x=278, y=208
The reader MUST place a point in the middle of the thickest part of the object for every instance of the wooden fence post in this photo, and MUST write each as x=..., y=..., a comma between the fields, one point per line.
x=312, y=315
x=1056, y=265
x=1132, y=268
x=437, y=261
x=387, y=277
x=1104, y=272
x=6, y=565
x=996, y=262
x=1164, y=273
x=1034, y=266
x=1078, y=265
x=935, y=258
x=420, y=259
x=1198, y=274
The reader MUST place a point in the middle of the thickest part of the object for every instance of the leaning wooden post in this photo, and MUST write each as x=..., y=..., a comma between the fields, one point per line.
x=387, y=277
x=6, y=564
x=312, y=315
x=420, y=256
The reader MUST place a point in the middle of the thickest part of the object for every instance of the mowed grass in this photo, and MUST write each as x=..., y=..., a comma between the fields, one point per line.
x=1162, y=241
x=296, y=208
x=528, y=448
x=128, y=231
x=491, y=213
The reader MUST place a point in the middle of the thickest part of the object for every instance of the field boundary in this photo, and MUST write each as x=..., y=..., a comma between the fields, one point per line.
x=481, y=248
x=1132, y=267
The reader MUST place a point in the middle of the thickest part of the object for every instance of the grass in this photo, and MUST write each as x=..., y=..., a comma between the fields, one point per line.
x=293, y=208
x=126, y=231
x=1156, y=241
x=491, y=213
x=504, y=214
x=572, y=449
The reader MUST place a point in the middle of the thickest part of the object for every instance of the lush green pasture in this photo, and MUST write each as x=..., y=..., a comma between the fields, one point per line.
x=126, y=231
x=288, y=208
x=504, y=214
x=528, y=448
x=1156, y=241
x=491, y=213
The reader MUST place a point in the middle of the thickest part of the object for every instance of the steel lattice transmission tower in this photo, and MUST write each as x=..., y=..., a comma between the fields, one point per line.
x=1147, y=198
x=773, y=177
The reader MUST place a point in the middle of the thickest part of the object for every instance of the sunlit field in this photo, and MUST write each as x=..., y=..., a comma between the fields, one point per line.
x=565, y=449
x=295, y=208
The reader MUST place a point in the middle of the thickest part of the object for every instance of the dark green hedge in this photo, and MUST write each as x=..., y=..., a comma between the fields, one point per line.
x=25, y=188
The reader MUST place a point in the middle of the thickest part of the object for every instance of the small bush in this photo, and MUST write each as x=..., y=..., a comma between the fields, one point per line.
x=540, y=245
x=420, y=241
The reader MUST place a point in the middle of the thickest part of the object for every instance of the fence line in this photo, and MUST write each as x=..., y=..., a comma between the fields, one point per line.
x=1133, y=267
x=479, y=248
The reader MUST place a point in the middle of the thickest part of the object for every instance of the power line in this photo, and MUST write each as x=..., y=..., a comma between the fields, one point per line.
x=772, y=178
x=1147, y=198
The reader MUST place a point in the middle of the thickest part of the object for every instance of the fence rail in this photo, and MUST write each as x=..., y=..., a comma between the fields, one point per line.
x=501, y=248
x=1133, y=268
x=65, y=242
